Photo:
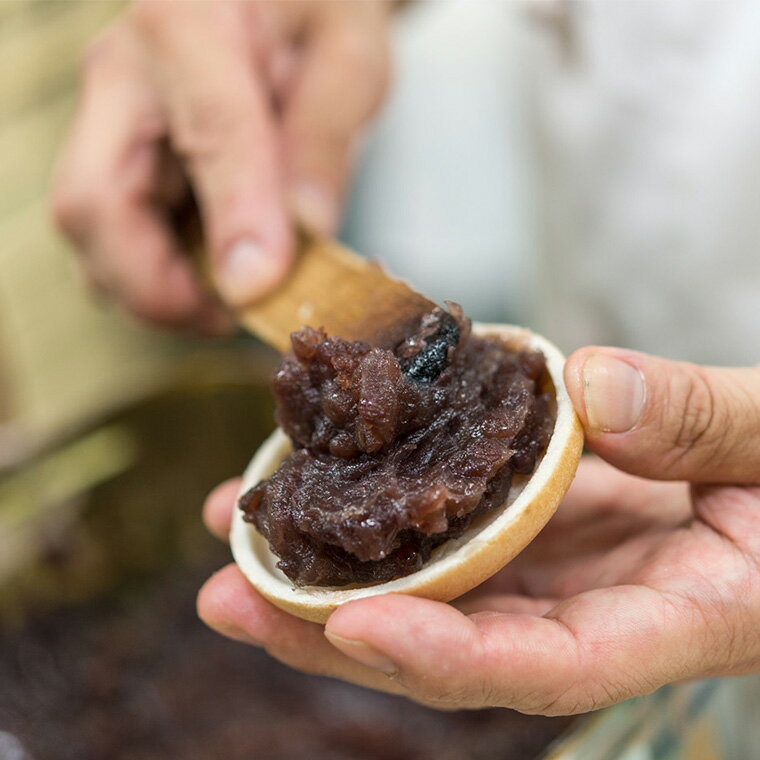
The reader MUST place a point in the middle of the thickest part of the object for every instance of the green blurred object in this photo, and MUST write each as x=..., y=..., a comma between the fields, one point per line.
x=62, y=475
x=122, y=502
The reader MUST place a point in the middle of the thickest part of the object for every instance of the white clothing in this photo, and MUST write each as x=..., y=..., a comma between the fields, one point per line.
x=602, y=156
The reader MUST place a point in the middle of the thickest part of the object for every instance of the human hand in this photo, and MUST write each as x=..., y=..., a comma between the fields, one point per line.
x=255, y=106
x=633, y=584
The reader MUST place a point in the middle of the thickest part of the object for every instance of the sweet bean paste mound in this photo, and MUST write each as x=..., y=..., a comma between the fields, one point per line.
x=395, y=451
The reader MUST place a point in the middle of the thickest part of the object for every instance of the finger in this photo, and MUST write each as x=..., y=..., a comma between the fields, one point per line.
x=220, y=121
x=132, y=255
x=484, y=602
x=102, y=195
x=668, y=420
x=230, y=605
x=591, y=651
x=614, y=519
x=595, y=558
x=599, y=489
x=219, y=508
x=341, y=81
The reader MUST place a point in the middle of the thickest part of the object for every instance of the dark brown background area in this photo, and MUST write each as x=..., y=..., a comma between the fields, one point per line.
x=104, y=658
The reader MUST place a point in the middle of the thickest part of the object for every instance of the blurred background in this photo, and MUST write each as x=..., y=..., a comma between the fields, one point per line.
x=111, y=433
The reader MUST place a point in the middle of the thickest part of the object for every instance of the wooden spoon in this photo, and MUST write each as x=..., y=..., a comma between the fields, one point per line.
x=329, y=286
x=332, y=287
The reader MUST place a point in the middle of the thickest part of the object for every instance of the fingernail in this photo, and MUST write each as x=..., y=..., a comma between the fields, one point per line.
x=613, y=392
x=363, y=653
x=243, y=272
x=313, y=208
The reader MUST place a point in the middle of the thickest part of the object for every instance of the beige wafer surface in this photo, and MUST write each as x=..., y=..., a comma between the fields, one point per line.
x=458, y=565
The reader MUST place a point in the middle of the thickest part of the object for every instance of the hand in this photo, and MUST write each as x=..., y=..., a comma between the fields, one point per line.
x=633, y=584
x=257, y=104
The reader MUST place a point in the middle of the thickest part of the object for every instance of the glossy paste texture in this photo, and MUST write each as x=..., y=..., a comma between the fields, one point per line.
x=395, y=451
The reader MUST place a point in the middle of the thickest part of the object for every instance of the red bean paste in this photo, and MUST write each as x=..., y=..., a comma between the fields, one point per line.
x=396, y=451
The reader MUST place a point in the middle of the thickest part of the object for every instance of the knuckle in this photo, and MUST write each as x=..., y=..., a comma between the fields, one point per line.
x=554, y=706
x=443, y=690
x=149, y=299
x=164, y=24
x=207, y=125
x=98, y=50
x=438, y=692
x=546, y=700
x=150, y=16
x=720, y=628
x=79, y=200
x=109, y=54
x=70, y=205
x=64, y=208
x=200, y=126
x=593, y=697
x=700, y=427
x=146, y=308
x=698, y=411
x=579, y=697
x=365, y=58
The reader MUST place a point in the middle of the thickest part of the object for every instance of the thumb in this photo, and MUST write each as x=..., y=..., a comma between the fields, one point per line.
x=668, y=420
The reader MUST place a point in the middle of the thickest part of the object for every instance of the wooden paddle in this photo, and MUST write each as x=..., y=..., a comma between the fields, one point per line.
x=329, y=286
x=332, y=287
